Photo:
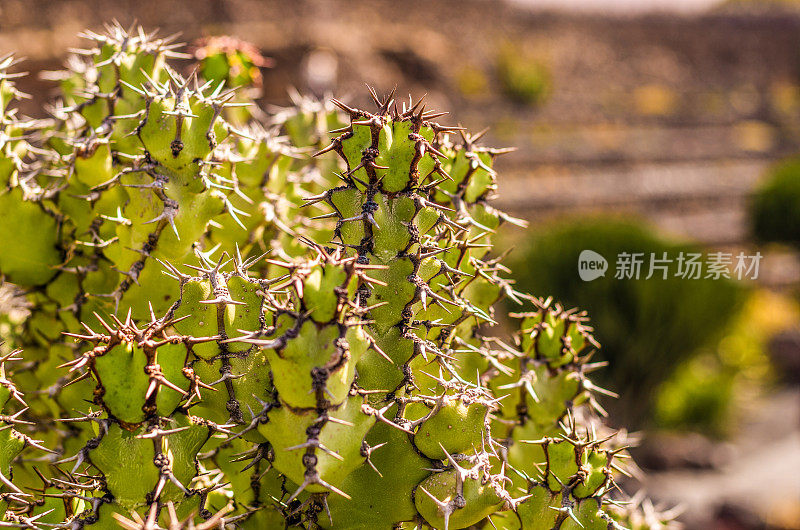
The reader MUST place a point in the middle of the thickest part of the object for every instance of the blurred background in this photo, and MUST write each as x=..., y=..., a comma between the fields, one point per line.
x=640, y=126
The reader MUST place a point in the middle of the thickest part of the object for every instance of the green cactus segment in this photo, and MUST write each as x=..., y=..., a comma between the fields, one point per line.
x=230, y=61
x=130, y=474
x=381, y=491
x=460, y=497
x=104, y=82
x=386, y=216
x=257, y=487
x=545, y=510
x=11, y=445
x=546, y=379
x=310, y=335
x=219, y=306
x=310, y=122
x=569, y=494
x=318, y=451
x=316, y=426
x=146, y=445
x=147, y=466
x=259, y=168
x=456, y=424
x=139, y=372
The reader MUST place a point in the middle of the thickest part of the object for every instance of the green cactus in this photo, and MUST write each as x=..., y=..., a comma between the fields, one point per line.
x=351, y=379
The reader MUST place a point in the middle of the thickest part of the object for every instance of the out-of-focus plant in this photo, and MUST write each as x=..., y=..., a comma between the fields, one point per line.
x=647, y=327
x=472, y=82
x=775, y=208
x=524, y=77
x=705, y=392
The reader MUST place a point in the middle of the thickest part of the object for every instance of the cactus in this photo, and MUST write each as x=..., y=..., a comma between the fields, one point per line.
x=225, y=331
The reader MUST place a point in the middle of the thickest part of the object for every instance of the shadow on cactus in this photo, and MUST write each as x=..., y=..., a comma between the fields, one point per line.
x=226, y=331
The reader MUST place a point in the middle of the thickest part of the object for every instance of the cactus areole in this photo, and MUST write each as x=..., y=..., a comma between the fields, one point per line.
x=225, y=331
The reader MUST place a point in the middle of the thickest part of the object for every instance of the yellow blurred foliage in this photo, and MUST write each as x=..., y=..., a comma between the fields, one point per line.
x=785, y=98
x=754, y=135
x=655, y=100
x=472, y=82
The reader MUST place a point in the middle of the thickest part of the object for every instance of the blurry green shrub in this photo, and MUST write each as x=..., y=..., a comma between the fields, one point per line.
x=698, y=397
x=707, y=390
x=524, y=78
x=647, y=328
x=775, y=207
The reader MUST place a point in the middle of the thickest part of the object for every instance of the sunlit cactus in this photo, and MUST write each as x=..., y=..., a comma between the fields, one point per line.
x=225, y=330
